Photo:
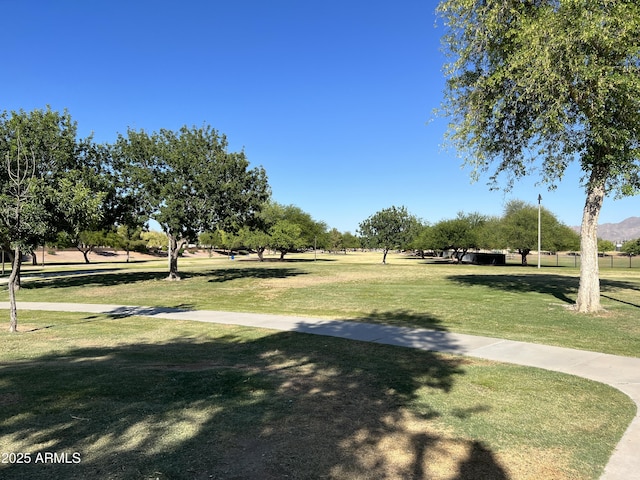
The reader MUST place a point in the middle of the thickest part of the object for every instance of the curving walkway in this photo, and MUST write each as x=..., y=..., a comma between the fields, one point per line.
x=619, y=372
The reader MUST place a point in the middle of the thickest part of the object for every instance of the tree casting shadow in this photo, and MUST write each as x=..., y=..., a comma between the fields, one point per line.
x=113, y=277
x=280, y=406
x=229, y=274
x=562, y=287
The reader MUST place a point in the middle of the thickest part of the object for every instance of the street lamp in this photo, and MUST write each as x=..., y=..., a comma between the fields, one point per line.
x=539, y=236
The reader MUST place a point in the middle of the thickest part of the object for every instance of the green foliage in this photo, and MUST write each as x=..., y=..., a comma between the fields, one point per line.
x=335, y=240
x=38, y=150
x=518, y=230
x=42, y=187
x=255, y=239
x=284, y=228
x=389, y=228
x=605, y=245
x=423, y=239
x=286, y=236
x=127, y=238
x=632, y=247
x=459, y=234
x=154, y=240
x=534, y=85
x=350, y=241
x=189, y=182
x=547, y=80
x=217, y=239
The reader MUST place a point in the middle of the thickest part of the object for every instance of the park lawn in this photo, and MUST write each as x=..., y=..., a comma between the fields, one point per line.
x=513, y=302
x=135, y=397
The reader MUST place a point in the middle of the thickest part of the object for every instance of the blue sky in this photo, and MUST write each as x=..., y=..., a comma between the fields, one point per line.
x=334, y=98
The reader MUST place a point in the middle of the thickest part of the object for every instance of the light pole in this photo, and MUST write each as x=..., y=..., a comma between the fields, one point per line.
x=539, y=233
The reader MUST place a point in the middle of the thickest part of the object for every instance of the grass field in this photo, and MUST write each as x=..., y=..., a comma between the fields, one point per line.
x=514, y=302
x=140, y=398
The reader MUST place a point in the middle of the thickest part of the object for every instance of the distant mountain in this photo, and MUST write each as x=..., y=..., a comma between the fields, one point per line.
x=628, y=229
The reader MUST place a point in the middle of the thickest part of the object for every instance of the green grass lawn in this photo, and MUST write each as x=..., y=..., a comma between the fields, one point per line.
x=139, y=398
x=514, y=302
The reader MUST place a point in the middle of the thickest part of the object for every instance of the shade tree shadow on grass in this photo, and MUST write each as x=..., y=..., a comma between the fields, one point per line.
x=223, y=275
x=115, y=277
x=562, y=287
x=285, y=405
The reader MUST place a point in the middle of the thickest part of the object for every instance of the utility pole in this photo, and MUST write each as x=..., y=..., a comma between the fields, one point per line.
x=539, y=231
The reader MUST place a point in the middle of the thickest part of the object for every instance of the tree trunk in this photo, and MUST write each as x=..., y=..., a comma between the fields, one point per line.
x=589, y=291
x=175, y=245
x=384, y=256
x=14, y=284
x=85, y=252
x=260, y=252
x=523, y=256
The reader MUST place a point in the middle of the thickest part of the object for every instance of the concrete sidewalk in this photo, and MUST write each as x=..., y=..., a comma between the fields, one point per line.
x=619, y=372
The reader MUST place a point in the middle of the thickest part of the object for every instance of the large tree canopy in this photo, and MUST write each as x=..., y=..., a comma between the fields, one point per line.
x=190, y=183
x=284, y=228
x=518, y=229
x=392, y=227
x=460, y=234
x=42, y=184
x=533, y=85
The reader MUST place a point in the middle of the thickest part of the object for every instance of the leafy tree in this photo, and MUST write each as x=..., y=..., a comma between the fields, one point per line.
x=293, y=229
x=283, y=228
x=39, y=184
x=519, y=230
x=286, y=236
x=605, y=246
x=631, y=247
x=209, y=240
x=335, y=241
x=154, y=240
x=84, y=241
x=312, y=232
x=189, y=183
x=255, y=239
x=534, y=85
x=423, y=240
x=83, y=214
x=389, y=228
x=459, y=234
x=256, y=236
x=218, y=238
x=350, y=241
x=489, y=234
x=21, y=219
x=127, y=238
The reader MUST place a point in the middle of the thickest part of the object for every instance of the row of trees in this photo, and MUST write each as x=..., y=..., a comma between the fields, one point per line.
x=56, y=187
x=287, y=228
x=517, y=229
